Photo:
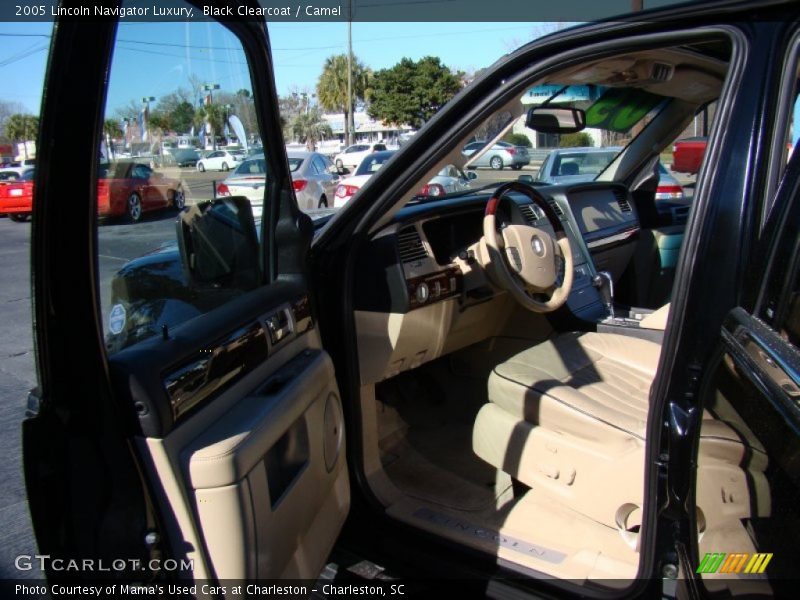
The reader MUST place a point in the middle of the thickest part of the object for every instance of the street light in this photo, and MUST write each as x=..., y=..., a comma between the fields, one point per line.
x=146, y=100
x=210, y=87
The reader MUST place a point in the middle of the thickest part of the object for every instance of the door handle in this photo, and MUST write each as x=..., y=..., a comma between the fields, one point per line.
x=772, y=364
x=774, y=361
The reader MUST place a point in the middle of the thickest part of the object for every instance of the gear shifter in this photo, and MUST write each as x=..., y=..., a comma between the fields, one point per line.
x=605, y=287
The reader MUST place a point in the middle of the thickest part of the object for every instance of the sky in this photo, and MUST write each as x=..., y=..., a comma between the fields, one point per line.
x=152, y=59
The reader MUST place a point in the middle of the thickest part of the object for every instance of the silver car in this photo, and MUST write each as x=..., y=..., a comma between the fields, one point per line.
x=314, y=179
x=502, y=154
x=576, y=165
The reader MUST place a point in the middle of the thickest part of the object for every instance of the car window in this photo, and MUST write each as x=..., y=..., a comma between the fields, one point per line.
x=295, y=164
x=153, y=101
x=140, y=172
x=256, y=166
x=8, y=175
x=319, y=165
x=372, y=163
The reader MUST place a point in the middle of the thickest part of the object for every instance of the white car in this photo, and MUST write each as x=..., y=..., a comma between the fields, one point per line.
x=313, y=180
x=353, y=155
x=220, y=160
x=449, y=180
x=19, y=167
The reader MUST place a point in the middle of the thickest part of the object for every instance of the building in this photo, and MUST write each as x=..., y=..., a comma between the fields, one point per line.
x=367, y=129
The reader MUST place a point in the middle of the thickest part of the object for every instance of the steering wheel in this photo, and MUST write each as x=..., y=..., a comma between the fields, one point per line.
x=524, y=259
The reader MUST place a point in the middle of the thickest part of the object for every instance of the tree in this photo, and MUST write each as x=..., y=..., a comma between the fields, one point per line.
x=112, y=129
x=412, y=92
x=6, y=110
x=518, y=139
x=332, y=87
x=310, y=128
x=214, y=115
x=575, y=140
x=175, y=110
x=22, y=128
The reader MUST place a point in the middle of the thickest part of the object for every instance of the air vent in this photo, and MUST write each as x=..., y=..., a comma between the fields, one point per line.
x=556, y=208
x=661, y=72
x=409, y=245
x=622, y=200
x=531, y=213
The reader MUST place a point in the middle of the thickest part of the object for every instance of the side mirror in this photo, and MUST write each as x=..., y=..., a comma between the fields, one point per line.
x=218, y=243
x=547, y=119
x=472, y=175
x=526, y=179
x=343, y=171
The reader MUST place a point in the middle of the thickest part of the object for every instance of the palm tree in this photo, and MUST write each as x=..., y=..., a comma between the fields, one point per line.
x=214, y=115
x=310, y=128
x=332, y=87
x=22, y=128
x=112, y=130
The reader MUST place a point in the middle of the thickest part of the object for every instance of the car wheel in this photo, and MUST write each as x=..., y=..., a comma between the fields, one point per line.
x=201, y=167
x=323, y=202
x=178, y=200
x=225, y=167
x=496, y=163
x=516, y=167
x=339, y=164
x=133, y=208
x=18, y=217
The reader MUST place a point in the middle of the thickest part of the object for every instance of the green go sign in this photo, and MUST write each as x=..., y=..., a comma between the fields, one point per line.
x=620, y=109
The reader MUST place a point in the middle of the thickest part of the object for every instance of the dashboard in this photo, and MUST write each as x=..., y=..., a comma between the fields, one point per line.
x=424, y=285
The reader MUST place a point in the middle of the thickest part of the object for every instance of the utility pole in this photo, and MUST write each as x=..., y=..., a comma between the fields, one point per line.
x=350, y=120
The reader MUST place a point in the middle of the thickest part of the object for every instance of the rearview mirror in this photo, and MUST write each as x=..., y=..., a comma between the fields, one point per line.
x=218, y=243
x=548, y=119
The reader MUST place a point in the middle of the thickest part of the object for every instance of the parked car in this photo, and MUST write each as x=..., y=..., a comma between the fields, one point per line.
x=314, y=179
x=500, y=155
x=16, y=194
x=688, y=153
x=130, y=189
x=185, y=157
x=20, y=166
x=220, y=160
x=9, y=175
x=575, y=165
x=450, y=179
x=352, y=156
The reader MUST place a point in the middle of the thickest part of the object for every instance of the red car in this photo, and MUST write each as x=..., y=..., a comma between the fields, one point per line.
x=16, y=197
x=687, y=154
x=128, y=189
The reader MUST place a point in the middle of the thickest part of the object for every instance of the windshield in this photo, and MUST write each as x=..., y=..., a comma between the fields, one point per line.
x=254, y=166
x=373, y=162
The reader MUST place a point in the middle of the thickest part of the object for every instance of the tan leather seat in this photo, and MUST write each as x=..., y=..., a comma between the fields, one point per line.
x=568, y=417
x=578, y=378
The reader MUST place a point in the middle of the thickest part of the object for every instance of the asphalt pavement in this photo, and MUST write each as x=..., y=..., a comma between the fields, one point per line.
x=17, y=377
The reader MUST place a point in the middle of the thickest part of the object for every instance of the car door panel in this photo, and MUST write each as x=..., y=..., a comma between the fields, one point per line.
x=258, y=465
x=230, y=422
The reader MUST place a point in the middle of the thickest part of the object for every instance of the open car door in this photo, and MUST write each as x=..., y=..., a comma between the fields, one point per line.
x=188, y=423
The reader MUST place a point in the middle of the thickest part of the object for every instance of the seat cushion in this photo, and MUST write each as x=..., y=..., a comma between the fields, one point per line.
x=577, y=380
